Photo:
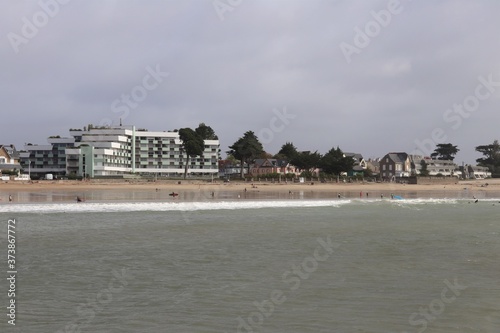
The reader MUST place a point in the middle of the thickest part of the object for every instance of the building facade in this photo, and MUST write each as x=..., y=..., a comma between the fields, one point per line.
x=395, y=165
x=435, y=167
x=117, y=151
x=264, y=166
x=9, y=158
x=476, y=172
x=40, y=160
x=374, y=166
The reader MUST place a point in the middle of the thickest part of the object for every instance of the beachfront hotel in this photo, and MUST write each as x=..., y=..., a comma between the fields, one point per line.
x=118, y=151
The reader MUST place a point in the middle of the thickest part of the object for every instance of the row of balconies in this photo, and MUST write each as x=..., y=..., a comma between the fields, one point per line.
x=46, y=160
x=155, y=140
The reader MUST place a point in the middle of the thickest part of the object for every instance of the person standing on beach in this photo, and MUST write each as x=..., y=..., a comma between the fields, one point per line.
x=10, y=198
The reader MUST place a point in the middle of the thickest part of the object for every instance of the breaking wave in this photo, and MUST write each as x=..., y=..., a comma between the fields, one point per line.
x=87, y=207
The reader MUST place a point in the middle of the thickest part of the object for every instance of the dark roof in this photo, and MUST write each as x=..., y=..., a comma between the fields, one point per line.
x=11, y=150
x=273, y=161
x=356, y=156
x=398, y=157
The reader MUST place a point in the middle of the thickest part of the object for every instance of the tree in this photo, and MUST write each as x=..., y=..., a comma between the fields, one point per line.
x=287, y=152
x=368, y=172
x=491, y=157
x=246, y=149
x=306, y=160
x=206, y=132
x=445, y=151
x=266, y=155
x=423, y=169
x=335, y=162
x=192, y=144
x=231, y=159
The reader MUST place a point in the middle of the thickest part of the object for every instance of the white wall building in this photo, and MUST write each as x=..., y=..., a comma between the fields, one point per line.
x=477, y=172
x=117, y=151
x=434, y=167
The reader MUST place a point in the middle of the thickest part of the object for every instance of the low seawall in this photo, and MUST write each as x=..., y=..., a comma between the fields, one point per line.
x=432, y=180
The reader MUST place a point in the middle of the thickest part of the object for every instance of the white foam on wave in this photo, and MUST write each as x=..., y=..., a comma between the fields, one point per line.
x=425, y=201
x=89, y=207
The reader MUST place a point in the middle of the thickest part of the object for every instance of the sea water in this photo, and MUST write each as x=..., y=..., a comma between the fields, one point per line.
x=256, y=266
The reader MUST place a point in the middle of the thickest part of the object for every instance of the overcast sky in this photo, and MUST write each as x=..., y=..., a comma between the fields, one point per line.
x=369, y=76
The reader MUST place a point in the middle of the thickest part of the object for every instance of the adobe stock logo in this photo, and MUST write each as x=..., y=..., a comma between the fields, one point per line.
x=138, y=94
x=455, y=115
x=277, y=124
x=437, y=306
x=30, y=28
x=223, y=6
x=293, y=278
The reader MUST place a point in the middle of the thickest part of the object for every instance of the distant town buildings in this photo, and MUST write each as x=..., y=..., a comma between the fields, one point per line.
x=401, y=165
x=395, y=165
x=374, y=166
x=40, y=160
x=96, y=152
x=360, y=164
x=263, y=166
x=116, y=151
x=475, y=172
x=9, y=158
x=443, y=168
x=105, y=151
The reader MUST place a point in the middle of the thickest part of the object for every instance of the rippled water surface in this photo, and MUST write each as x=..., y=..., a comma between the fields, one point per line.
x=257, y=266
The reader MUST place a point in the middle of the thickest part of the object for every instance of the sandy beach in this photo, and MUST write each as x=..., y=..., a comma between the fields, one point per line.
x=134, y=190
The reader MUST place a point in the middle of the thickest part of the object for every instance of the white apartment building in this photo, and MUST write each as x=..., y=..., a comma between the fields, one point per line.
x=434, y=167
x=477, y=172
x=117, y=151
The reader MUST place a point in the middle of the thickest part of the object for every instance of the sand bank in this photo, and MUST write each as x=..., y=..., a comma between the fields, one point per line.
x=65, y=190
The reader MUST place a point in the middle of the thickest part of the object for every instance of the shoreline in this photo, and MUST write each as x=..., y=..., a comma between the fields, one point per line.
x=130, y=191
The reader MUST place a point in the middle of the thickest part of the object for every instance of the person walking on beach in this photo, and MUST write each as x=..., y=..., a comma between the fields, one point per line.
x=10, y=198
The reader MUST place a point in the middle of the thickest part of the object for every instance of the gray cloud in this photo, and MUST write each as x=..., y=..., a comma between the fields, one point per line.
x=264, y=55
